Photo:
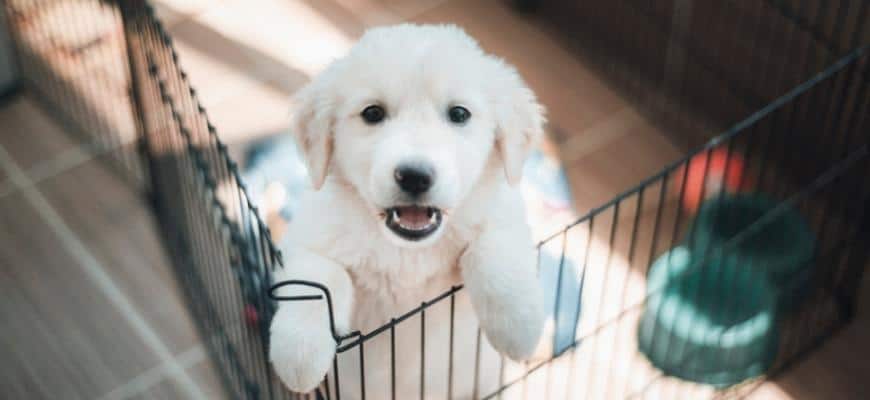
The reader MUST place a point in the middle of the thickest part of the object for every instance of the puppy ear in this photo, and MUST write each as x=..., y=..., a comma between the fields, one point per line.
x=312, y=125
x=520, y=123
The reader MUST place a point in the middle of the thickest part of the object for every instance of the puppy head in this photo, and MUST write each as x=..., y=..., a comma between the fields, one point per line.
x=410, y=118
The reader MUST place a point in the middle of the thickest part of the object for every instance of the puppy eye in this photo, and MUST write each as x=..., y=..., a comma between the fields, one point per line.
x=458, y=114
x=373, y=114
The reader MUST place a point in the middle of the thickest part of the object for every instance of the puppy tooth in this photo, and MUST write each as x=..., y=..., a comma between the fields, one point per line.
x=432, y=218
x=396, y=215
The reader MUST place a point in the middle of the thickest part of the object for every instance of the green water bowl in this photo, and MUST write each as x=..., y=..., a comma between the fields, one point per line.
x=777, y=242
x=709, y=322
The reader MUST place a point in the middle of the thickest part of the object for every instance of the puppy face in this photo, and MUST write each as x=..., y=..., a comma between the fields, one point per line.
x=411, y=118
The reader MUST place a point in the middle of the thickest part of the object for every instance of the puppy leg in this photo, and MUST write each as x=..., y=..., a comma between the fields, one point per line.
x=499, y=274
x=301, y=344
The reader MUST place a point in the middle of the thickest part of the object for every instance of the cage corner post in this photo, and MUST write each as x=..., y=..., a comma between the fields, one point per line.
x=132, y=22
x=10, y=79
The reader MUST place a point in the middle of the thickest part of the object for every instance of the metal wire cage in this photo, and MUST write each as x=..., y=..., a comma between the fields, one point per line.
x=766, y=265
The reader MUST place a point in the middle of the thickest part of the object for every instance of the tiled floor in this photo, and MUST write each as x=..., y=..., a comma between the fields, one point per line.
x=90, y=308
x=85, y=280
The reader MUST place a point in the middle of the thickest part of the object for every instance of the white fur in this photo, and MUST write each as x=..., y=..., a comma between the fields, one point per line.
x=339, y=239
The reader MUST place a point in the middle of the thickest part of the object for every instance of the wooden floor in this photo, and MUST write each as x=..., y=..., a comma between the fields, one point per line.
x=90, y=308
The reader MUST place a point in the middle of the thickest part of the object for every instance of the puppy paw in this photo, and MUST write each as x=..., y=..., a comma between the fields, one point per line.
x=515, y=331
x=301, y=357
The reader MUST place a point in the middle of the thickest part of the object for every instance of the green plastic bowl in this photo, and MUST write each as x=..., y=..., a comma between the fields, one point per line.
x=781, y=247
x=712, y=322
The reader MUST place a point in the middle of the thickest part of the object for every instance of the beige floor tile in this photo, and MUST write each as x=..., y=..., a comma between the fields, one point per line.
x=618, y=166
x=202, y=373
x=220, y=68
x=118, y=228
x=171, y=12
x=578, y=145
x=205, y=374
x=838, y=370
x=30, y=137
x=60, y=334
x=252, y=113
x=408, y=9
x=352, y=17
x=292, y=34
x=245, y=59
x=367, y=12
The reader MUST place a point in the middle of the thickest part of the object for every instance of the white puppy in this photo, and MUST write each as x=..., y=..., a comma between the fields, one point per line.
x=414, y=142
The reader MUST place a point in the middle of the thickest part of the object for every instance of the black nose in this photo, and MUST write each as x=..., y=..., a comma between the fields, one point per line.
x=414, y=179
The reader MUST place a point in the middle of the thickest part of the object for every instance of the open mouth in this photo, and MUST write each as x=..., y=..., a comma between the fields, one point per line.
x=413, y=222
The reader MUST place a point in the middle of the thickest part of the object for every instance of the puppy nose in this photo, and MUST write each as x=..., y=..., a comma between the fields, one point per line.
x=414, y=179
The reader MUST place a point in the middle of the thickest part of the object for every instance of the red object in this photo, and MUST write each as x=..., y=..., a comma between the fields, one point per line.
x=698, y=189
x=251, y=314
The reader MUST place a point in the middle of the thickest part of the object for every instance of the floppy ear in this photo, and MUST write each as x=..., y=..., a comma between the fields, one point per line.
x=312, y=127
x=519, y=124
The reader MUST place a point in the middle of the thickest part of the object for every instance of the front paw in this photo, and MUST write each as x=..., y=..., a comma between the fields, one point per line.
x=515, y=330
x=301, y=357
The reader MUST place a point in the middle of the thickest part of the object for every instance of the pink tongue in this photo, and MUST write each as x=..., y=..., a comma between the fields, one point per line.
x=413, y=217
